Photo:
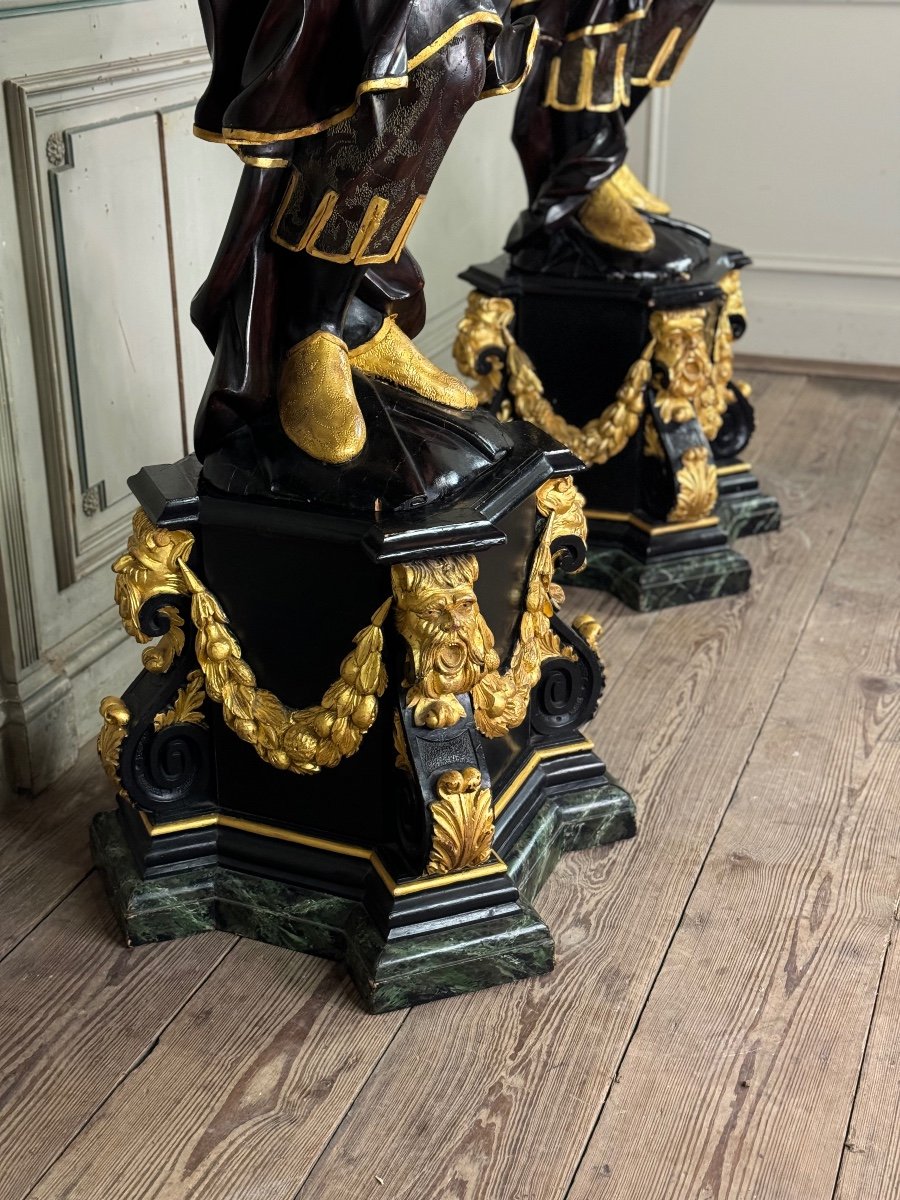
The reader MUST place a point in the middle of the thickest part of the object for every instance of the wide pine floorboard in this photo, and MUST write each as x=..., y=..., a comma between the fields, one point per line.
x=723, y=1019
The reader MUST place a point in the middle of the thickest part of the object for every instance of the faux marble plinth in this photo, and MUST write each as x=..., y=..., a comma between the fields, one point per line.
x=664, y=582
x=477, y=952
x=742, y=516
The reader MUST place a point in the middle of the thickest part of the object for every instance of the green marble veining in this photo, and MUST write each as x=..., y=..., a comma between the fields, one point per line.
x=742, y=516
x=664, y=583
x=575, y=821
x=282, y=914
x=150, y=910
x=481, y=950
x=448, y=962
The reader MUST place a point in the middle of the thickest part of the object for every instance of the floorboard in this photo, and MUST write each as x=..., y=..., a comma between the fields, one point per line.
x=79, y=1011
x=251, y=1079
x=756, y=906
x=44, y=847
x=870, y=1155
x=748, y=1052
x=518, y=1074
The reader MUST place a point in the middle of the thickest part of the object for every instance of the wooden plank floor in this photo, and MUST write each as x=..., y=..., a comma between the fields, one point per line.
x=723, y=1019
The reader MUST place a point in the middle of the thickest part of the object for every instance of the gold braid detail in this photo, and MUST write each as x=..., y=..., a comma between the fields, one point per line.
x=485, y=328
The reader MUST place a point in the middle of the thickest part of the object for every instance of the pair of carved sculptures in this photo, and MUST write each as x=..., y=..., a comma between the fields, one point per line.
x=341, y=113
x=424, y=792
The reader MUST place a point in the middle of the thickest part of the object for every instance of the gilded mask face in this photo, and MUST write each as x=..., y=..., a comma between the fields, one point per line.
x=438, y=615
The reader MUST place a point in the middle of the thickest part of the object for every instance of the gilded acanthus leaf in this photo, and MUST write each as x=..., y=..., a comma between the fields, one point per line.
x=187, y=708
x=113, y=732
x=484, y=333
x=149, y=568
x=462, y=823
x=697, y=484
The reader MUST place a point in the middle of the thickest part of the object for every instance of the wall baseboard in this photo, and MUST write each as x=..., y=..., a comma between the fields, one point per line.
x=869, y=372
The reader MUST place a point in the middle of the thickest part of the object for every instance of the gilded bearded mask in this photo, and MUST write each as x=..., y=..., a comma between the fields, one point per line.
x=450, y=644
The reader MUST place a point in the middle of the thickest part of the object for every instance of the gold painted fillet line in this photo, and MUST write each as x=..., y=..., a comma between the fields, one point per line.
x=597, y=514
x=734, y=469
x=665, y=53
x=594, y=30
x=496, y=867
x=283, y=835
x=264, y=163
x=582, y=102
x=528, y=769
x=609, y=27
x=478, y=18
x=529, y=60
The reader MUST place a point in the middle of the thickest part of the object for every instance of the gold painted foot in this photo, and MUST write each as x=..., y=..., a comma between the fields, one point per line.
x=316, y=401
x=608, y=217
x=390, y=355
x=629, y=186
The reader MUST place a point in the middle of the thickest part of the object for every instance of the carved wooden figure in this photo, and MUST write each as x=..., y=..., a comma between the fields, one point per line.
x=597, y=62
x=358, y=733
x=611, y=324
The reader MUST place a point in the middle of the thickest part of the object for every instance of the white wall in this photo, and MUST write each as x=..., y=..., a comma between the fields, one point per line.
x=102, y=242
x=476, y=196
x=798, y=160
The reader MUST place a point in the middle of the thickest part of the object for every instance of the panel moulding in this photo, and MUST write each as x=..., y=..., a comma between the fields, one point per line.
x=44, y=112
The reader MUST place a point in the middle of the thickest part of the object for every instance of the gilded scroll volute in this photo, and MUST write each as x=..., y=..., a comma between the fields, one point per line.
x=482, y=341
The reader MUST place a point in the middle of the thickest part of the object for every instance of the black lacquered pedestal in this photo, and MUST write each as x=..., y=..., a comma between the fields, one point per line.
x=632, y=370
x=260, y=791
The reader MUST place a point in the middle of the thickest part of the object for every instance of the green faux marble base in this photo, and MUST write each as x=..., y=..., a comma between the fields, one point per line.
x=664, y=582
x=742, y=516
x=390, y=974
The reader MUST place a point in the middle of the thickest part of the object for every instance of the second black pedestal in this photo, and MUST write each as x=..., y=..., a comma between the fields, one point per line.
x=633, y=373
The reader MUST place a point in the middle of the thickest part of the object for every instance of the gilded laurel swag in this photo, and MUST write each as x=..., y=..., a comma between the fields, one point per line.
x=299, y=740
x=485, y=347
x=450, y=648
x=691, y=377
